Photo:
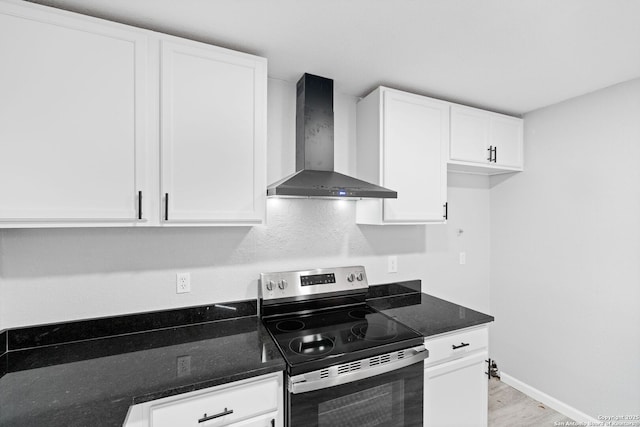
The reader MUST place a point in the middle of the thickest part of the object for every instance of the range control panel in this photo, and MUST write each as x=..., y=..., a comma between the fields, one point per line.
x=291, y=284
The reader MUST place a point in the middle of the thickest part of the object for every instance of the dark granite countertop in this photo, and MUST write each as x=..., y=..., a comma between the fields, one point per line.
x=88, y=373
x=93, y=382
x=425, y=313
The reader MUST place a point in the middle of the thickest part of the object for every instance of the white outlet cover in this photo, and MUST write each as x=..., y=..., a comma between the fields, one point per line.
x=392, y=264
x=183, y=283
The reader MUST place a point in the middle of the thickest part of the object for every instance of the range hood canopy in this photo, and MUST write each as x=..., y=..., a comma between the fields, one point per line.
x=314, y=176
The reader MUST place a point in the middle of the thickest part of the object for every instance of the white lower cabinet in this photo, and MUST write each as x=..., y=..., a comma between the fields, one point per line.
x=455, y=379
x=255, y=402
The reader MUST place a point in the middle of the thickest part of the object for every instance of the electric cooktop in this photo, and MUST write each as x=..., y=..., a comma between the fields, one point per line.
x=334, y=336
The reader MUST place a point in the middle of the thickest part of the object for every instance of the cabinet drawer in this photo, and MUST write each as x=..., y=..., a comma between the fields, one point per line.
x=455, y=345
x=221, y=407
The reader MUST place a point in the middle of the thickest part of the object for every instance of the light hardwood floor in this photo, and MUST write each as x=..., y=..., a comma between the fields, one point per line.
x=510, y=407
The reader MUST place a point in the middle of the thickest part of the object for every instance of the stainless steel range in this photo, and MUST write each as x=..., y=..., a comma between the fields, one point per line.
x=347, y=364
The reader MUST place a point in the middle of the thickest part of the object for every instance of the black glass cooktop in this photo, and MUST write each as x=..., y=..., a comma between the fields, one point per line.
x=330, y=337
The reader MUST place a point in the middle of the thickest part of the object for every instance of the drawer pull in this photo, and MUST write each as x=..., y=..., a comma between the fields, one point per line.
x=462, y=344
x=206, y=418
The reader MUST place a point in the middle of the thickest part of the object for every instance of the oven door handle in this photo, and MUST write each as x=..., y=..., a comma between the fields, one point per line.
x=304, y=383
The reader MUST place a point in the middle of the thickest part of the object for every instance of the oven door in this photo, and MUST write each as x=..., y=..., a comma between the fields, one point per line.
x=391, y=399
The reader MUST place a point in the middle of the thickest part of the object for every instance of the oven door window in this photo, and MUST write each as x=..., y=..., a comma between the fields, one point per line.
x=393, y=399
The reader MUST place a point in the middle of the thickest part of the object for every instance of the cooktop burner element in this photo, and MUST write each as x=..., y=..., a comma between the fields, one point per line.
x=358, y=314
x=374, y=331
x=312, y=345
x=290, y=325
x=320, y=318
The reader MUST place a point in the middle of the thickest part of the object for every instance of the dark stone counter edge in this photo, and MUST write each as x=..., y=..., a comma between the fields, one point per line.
x=3, y=353
x=409, y=293
x=469, y=325
x=82, y=330
x=407, y=287
x=41, y=336
x=277, y=367
x=58, y=333
x=273, y=366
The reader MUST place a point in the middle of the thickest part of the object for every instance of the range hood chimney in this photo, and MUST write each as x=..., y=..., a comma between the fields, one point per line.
x=314, y=176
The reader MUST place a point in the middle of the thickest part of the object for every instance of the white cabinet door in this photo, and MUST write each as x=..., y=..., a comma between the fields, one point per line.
x=484, y=142
x=415, y=140
x=79, y=99
x=213, y=131
x=507, y=137
x=253, y=402
x=267, y=420
x=455, y=393
x=409, y=145
x=221, y=406
x=72, y=119
x=470, y=135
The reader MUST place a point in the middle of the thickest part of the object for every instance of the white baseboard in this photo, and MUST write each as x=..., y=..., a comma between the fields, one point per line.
x=550, y=401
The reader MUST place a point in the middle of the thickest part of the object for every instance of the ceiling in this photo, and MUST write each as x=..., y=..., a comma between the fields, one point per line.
x=511, y=56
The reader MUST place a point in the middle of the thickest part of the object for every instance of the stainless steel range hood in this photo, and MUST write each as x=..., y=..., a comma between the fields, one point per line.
x=314, y=176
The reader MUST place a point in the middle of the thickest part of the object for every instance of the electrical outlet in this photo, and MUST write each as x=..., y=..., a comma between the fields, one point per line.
x=183, y=366
x=392, y=264
x=183, y=283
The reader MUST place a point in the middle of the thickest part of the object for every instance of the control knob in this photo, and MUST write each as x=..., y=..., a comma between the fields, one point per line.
x=282, y=284
x=351, y=277
x=360, y=276
x=270, y=284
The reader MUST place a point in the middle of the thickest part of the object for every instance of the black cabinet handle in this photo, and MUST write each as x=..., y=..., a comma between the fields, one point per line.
x=495, y=154
x=166, y=206
x=273, y=422
x=490, y=150
x=462, y=344
x=446, y=210
x=206, y=418
x=139, y=204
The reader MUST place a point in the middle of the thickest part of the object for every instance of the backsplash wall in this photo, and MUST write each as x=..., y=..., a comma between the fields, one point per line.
x=51, y=275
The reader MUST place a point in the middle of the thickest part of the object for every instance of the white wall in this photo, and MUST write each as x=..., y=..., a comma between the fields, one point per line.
x=565, y=254
x=51, y=275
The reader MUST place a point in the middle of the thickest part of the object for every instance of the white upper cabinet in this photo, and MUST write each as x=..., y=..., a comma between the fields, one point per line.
x=402, y=145
x=213, y=137
x=484, y=142
x=99, y=121
x=72, y=119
